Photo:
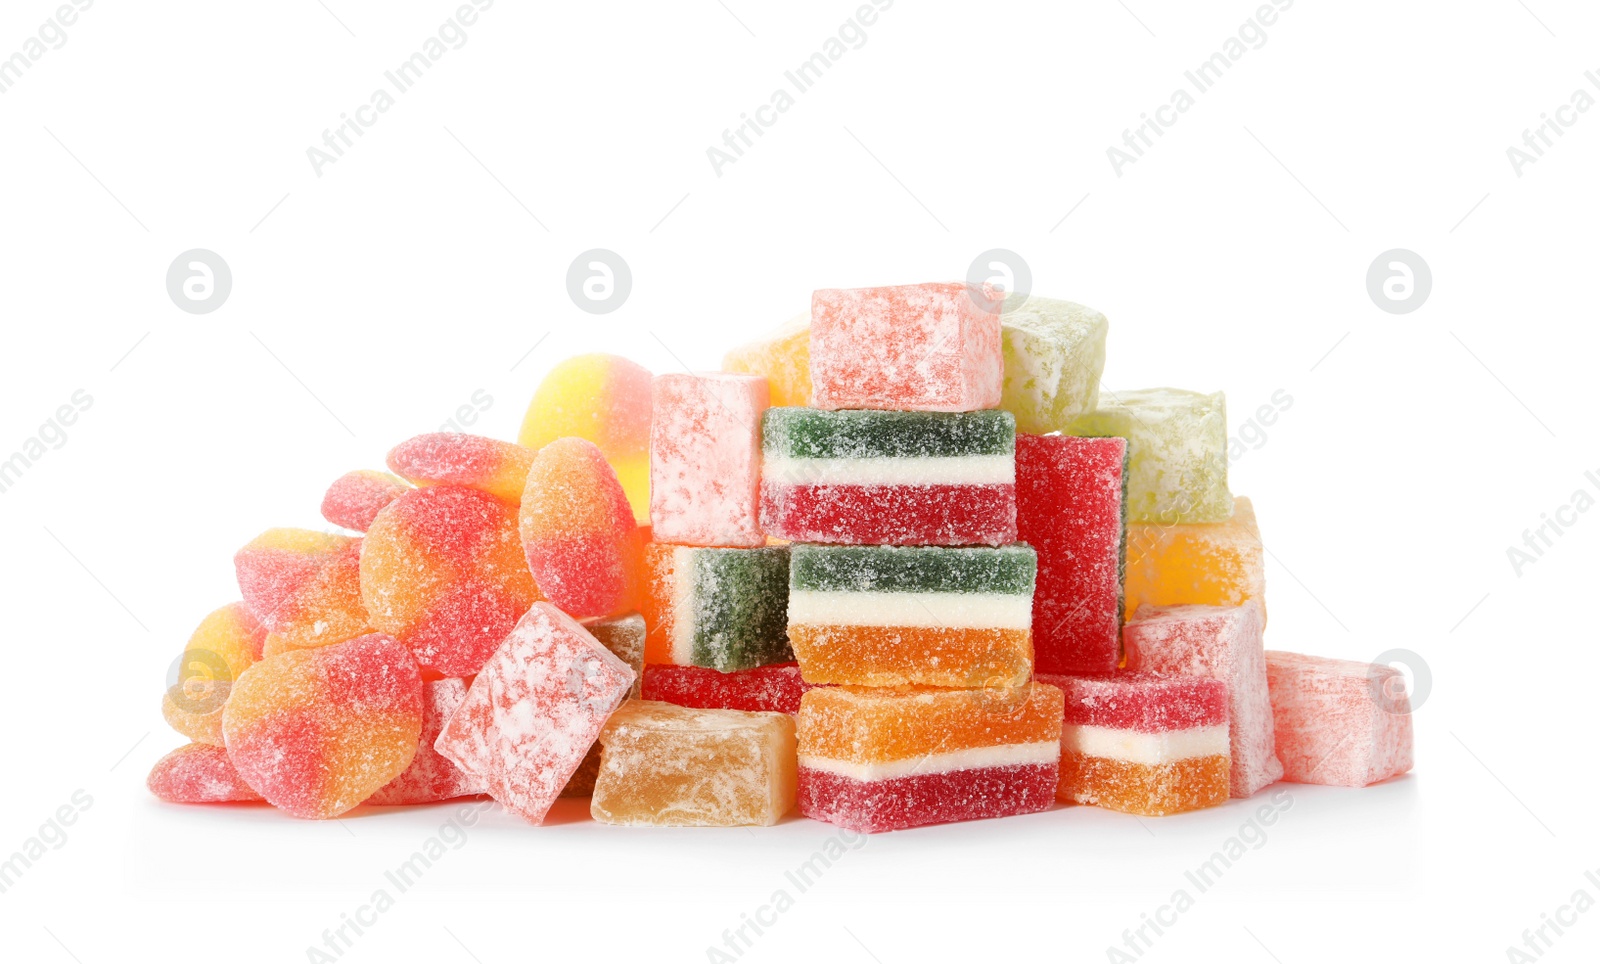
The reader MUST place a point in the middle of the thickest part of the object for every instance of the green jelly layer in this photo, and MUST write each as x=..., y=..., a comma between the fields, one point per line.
x=741, y=607
x=807, y=433
x=1007, y=570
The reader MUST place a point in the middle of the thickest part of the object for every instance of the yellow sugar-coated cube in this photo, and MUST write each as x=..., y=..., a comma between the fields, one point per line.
x=1204, y=563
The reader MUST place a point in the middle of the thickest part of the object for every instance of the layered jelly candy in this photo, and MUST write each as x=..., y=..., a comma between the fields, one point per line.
x=875, y=759
x=885, y=615
x=889, y=478
x=725, y=609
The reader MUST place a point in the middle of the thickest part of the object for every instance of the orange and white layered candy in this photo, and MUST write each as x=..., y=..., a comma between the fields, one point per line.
x=304, y=586
x=318, y=731
x=1143, y=743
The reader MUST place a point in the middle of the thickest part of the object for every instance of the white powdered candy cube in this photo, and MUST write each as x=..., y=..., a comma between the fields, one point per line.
x=705, y=459
x=1339, y=723
x=1177, y=452
x=1054, y=354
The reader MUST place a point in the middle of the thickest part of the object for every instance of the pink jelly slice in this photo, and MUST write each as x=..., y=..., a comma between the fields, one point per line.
x=923, y=515
x=914, y=801
x=1069, y=508
x=1146, y=702
x=765, y=689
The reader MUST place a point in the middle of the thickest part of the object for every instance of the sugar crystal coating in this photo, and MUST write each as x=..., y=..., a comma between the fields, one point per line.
x=783, y=358
x=888, y=758
x=889, y=478
x=534, y=711
x=1224, y=643
x=1143, y=743
x=318, y=731
x=1177, y=452
x=198, y=773
x=725, y=609
x=578, y=532
x=923, y=347
x=304, y=586
x=705, y=459
x=225, y=644
x=1054, y=352
x=886, y=615
x=496, y=467
x=672, y=766
x=1070, y=510
x=443, y=571
x=624, y=636
x=763, y=689
x=1202, y=563
x=431, y=777
x=355, y=498
x=605, y=399
x=1337, y=722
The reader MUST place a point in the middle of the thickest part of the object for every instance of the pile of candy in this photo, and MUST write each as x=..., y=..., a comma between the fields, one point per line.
x=898, y=564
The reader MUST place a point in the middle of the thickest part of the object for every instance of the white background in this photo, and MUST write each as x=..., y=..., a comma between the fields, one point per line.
x=374, y=300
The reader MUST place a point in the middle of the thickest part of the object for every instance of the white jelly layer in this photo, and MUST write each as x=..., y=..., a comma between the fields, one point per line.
x=926, y=610
x=682, y=635
x=1150, y=749
x=933, y=470
x=1014, y=754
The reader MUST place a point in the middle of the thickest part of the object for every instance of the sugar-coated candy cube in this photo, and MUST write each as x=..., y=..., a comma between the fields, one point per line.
x=764, y=689
x=605, y=399
x=355, y=498
x=534, y=711
x=1177, y=452
x=889, y=478
x=578, y=532
x=453, y=458
x=624, y=636
x=705, y=459
x=198, y=773
x=1339, y=723
x=226, y=643
x=924, y=347
x=1221, y=642
x=874, y=759
x=1069, y=509
x=672, y=766
x=430, y=777
x=443, y=571
x=783, y=358
x=1143, y=743
x=725, y=609
x=1204, y=563
x=304, y=586
x=886, y=615
x=318, y=731
x=1054, y=353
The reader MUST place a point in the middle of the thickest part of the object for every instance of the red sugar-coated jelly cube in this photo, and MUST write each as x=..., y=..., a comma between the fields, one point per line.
x=765, y=689
x=1070, y=510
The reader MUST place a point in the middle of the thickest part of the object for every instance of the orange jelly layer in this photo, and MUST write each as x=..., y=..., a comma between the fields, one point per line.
x=1209, y=563
x=1144, y=789
x=882, y=724
x=896, y=655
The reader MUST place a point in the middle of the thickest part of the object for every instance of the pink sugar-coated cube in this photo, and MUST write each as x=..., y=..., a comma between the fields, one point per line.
x=199, y=773
x=355, y=498
x=705, y=459
x=1339, y=723
x=431, y=777
x=534, y=711
x=925, y=347
x=1222, y=642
